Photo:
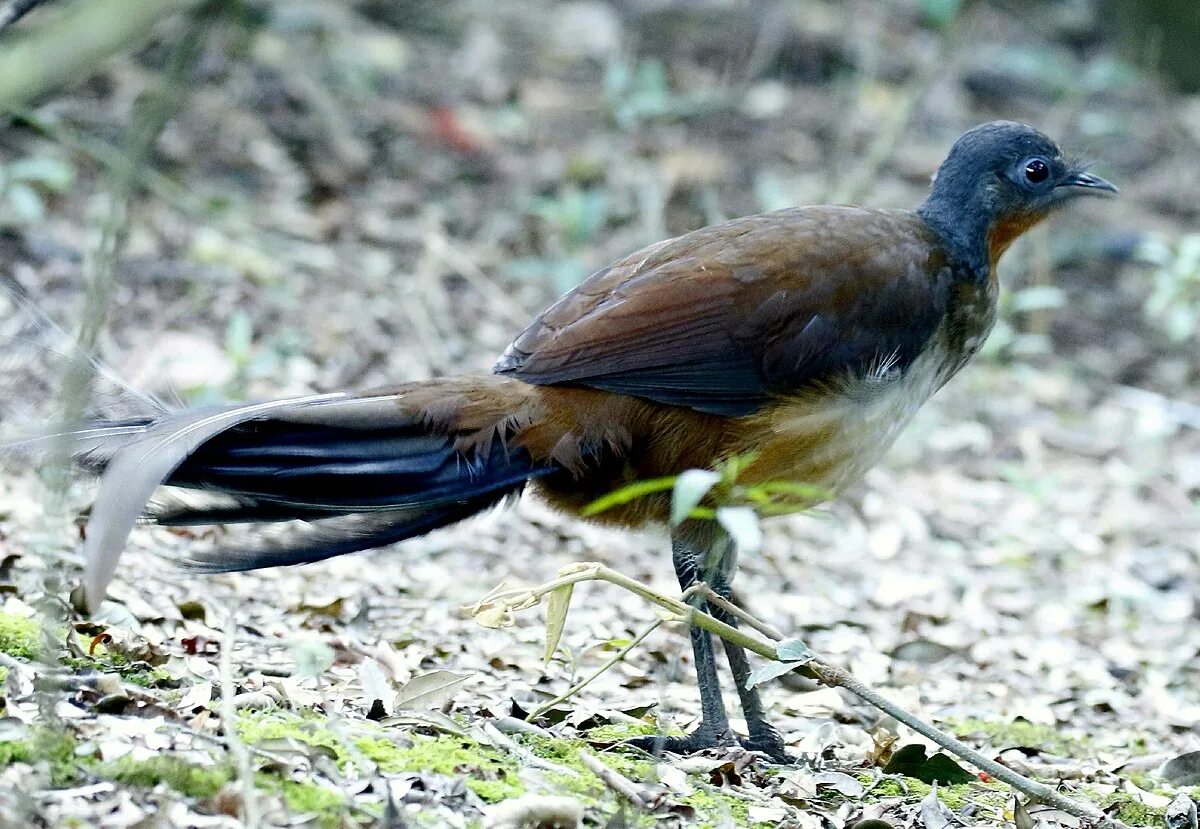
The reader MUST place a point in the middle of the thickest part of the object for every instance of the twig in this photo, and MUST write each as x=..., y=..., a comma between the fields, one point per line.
x=616, y=781
x=497, y=738
x=585, y=682
x=241, y=757
x=861, y=179
x=729, y=607
x=831, y=675
x=14, y=10
x=149, y=118
x=71, y=45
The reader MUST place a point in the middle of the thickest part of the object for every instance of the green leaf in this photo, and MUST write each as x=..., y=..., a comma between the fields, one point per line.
x=51, y=173
x=24, y=204
x=793, y=650
x=743, y=527
x=239, y=335
x=557, y=605
x=940, y=13
x=770, y=671
x=690, y=488
x=625, y=494
x=910, y=760
x=794, y=489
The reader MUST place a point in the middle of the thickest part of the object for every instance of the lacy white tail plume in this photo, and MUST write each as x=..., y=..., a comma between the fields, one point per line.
x=136, y=469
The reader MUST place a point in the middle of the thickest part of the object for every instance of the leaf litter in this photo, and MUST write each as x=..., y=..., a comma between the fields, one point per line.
x=1020, y=569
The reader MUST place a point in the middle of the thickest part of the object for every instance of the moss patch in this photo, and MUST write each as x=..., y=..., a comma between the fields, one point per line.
x=616, y=732
x=175, y=773
x=955, y=796
x=1131, y=811
x=18, y=636
x=1022, y=733
x=713, y=807
x=491, y=774
x=47, y=745
x=327, y=804
x=135, y=673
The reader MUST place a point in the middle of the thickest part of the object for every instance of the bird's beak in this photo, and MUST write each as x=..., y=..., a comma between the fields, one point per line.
x=1088, y=184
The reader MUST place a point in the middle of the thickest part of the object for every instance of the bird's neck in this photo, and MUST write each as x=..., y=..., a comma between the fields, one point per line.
x=962, y=230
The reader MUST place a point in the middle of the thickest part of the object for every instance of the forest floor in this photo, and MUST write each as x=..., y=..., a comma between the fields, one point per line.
x=355, y=195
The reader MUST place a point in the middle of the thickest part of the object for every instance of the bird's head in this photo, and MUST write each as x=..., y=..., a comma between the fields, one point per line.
x=999, y=180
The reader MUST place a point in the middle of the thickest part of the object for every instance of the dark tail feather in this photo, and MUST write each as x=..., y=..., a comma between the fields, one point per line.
x=339, y=470
x=329, y=537
x=356, y=471
x=346, y=489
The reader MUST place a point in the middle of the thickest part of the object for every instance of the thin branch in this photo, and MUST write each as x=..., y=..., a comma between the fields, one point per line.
x=13, y=10
x=241, y=757
x=521, y=599
x=588, y=680
x=729, y=607
x=70, y=46
x=616, y=781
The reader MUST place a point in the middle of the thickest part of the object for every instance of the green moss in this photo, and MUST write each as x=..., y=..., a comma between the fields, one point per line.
x=327, y=804
x=1149, y=782
x=565, y=752
x=491, y=774
x=616, y=732
x=135, y=673
x=955, y=796
x=1131, y=811
x=175, y=773
x=18, y=636
x=49, y=745
x=886, y=787
x=716, y=809
x=1022, y=733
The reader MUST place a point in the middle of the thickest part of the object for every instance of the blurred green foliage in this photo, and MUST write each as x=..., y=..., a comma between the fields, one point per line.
x=25, y=185
x=639, y=92
x=1174, y=301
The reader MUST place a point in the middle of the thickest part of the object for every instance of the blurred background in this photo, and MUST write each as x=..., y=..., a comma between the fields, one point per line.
x=358, y=193
x=250, y=199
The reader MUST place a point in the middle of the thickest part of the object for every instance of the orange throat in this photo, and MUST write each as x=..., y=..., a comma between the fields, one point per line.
x=1004, y=232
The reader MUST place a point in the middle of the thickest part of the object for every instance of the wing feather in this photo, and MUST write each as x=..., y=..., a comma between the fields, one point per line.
x=724, y=319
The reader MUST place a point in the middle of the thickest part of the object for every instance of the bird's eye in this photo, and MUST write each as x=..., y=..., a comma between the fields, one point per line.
x=1036, y=171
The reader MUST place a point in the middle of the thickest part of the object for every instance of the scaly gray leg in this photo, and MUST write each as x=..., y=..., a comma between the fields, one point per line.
x=692, y=557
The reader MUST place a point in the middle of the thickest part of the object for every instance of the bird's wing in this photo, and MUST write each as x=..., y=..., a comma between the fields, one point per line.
x=723, y=319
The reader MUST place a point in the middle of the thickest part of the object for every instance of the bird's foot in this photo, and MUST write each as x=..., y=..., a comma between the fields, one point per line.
x=767, y=740
x=702, y=738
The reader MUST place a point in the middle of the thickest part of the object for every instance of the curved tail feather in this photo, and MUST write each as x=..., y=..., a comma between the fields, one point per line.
x=354, y=473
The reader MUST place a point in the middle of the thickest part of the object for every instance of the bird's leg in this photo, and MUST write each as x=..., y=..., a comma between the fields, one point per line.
x=693, y=559
x=762, y=736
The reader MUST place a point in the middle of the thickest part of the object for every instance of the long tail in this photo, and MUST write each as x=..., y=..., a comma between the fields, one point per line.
x=356, y=472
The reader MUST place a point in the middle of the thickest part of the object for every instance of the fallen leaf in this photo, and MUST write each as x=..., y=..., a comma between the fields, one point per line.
x=911, y=761
x=840, y=782
x=1183, y=770
x=557, y=605
x=934, y=814
x=1181, y=814
x=429, y=690
x=374, y=683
